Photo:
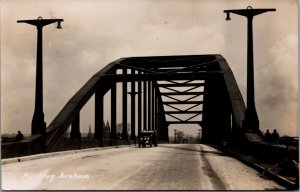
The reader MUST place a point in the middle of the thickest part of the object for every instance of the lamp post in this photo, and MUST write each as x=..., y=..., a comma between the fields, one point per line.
x=251, y=118
x=175, y=135
x=199, y=132
x=38, y=126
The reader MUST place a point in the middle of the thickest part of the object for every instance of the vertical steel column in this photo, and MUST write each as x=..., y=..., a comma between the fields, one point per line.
x=160, y=133
x=160, y=115
x=207, y=132
x=149, y=105
x=99, y=123
x=124, y=109
x=139, y=106
x=132, y=135
x=113, y=119
x=145, y=105
x=157, y=113
x=167, y=131
x=152, y=105
x=75, y=128
x=164, y=125
x=155, y=110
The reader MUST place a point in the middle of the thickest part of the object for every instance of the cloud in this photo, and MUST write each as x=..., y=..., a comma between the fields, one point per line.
x=277, y=97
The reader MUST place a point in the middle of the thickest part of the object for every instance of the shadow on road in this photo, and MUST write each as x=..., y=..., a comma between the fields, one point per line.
x=218, y=153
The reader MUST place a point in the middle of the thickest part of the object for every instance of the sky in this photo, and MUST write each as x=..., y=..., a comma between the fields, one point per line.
x=97, y=32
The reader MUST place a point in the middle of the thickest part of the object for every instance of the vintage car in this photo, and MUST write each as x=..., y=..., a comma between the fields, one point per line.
x=148, y=138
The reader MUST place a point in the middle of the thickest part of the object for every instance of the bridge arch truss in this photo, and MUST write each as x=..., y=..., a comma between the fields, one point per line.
x=189, y=89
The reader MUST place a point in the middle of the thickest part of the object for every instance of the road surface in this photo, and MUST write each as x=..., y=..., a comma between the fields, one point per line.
x=166, y=167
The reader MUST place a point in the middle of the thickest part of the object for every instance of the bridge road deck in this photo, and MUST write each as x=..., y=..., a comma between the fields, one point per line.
x=166, y=167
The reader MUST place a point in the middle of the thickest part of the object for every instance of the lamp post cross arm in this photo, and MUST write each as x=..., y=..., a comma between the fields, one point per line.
x=249, y=12
x=41, y=22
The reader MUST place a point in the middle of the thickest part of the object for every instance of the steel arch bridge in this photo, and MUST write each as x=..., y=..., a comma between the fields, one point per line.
x=189, y=89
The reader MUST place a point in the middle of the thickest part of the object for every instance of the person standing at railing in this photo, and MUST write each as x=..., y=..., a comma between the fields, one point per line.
x=268, y=136
x=275, y=136
x=19, y=136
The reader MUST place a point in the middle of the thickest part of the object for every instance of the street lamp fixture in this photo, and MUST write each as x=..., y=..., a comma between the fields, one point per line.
x=228, y=16
x=38, y=126
x=251, y=119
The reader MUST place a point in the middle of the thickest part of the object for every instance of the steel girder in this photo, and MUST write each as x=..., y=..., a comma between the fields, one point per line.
x=165, y=72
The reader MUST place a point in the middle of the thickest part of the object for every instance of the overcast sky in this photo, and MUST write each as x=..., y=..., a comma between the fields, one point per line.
x=96, y=32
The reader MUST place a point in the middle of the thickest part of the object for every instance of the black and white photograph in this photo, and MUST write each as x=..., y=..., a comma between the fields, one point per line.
x=141, y=95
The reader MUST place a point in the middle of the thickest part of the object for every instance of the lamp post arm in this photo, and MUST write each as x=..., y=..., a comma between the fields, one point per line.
x=248, y=12
x=40, y=22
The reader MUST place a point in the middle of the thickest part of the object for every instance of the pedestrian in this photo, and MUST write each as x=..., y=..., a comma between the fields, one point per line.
x=275, y=136
x=19, y=136
x=268, y=136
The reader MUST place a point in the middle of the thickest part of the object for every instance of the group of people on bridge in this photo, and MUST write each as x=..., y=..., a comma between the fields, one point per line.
x=272, y=138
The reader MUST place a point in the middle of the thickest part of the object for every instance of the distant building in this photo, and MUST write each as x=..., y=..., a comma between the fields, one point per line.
x=106, y=131
x=90, y=134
